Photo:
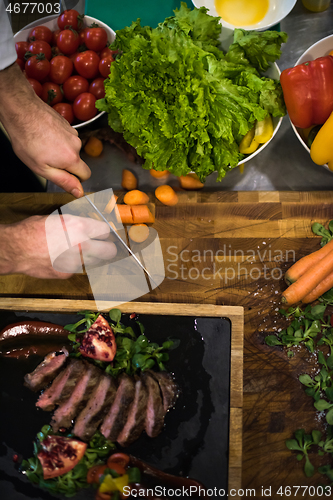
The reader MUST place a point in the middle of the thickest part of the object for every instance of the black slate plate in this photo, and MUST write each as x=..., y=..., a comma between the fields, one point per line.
x=194, y=442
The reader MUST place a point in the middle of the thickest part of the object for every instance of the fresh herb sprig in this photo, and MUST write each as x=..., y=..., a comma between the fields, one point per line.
x=71, y=482
x=134, y=350
x=304, y=328
x=303, y=443
x=320, y=230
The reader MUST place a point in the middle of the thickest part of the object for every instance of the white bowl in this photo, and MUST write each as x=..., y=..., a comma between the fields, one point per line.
x=318, y=49
x=51, y=22
x=226, y=39
x=278, y=10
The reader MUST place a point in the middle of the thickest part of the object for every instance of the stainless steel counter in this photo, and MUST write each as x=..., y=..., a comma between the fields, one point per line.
x=283, y=165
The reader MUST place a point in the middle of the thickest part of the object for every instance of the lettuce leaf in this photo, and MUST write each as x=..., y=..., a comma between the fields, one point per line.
x=180, y=101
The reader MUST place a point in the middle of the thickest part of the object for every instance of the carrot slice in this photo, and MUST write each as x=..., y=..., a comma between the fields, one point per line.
x=302, y=265
x=138, y=233
x=111, y=204
x=94, y=146
x=129, y=181
x=166, y=195
x=136, y=197
x=142, y=214
x=323, y=287
x=124, y=214
x=309, y=280
x=159, y=174
x=190, y=182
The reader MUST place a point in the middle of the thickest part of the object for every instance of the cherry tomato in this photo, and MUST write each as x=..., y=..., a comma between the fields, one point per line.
x=74, y=86
x=21, y=49
x=55, y=35
x=68, y=42
x=82, y=35
x=108, y=52
x=37, y=86
x=119, y=458
x=86, y=64
x=51, y=93
x=61, y=69
x=37, y=67
x=118, y=468
x=40, y=46
x=70, y=17
x=95, y=39
x=104, y=66
x=41, y=33
x=84, y=106
x=21, y=63
x=95, y=473
x=66, y=110
x=97, y=88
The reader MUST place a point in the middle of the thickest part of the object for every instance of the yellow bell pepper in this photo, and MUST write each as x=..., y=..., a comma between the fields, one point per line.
x=248, y=145
x=261, y=132
x=321, y=150
x=264, y=130
x=113, y=483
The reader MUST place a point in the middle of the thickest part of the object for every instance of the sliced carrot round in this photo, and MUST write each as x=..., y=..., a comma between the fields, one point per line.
x=138, y=233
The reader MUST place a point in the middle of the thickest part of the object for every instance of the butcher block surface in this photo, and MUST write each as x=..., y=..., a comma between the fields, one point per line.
x=232, y=249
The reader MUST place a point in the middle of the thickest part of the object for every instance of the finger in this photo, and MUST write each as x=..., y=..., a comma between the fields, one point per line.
x=65, y=180
x=95, y=251
x=80, y=169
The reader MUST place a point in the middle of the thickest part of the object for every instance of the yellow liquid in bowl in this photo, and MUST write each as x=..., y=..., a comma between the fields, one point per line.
x=242, y=12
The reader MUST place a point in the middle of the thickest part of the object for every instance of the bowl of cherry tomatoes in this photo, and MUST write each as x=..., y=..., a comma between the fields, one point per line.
x=66, y=59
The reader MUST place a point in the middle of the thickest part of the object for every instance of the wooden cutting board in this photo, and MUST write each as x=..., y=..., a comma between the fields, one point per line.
x=225, y=248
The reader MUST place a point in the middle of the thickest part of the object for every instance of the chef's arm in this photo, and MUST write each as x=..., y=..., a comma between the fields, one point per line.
x=40, y=137
x=24, y=247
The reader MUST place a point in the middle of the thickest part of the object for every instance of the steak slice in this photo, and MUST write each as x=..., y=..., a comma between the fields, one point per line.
x=46, y=371
x=155, y=411
x=135, y=422
x=168, y=387
x=118, y=413
x=61, y=387
x=96, y=408
x=67, y=411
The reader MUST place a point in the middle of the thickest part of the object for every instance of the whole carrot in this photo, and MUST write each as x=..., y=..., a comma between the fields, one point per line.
x=323, y=287
x=302, y=265
x=309, y=280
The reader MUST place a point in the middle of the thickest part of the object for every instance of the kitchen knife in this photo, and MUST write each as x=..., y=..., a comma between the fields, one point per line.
x=120, y=239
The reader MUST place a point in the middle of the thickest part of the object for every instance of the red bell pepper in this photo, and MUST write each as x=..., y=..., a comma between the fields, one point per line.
x=308, y=91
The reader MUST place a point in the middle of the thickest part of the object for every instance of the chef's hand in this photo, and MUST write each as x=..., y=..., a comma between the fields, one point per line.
x=40, y=136
x=24, y=246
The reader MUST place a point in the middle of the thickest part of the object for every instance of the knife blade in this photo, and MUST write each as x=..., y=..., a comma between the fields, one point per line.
x=120, y=239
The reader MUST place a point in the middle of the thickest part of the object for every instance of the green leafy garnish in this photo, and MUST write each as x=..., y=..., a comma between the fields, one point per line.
x=135, y=352
x=71, y=482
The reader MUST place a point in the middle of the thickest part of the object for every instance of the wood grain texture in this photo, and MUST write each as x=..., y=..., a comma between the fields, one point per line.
x=232, y=249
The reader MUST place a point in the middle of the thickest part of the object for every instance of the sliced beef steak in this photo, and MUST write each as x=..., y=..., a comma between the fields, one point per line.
x=135, y=423
x=82, y=391
x=46, y=371
x=96, y=408
x=168, y=387
x=118, y=413
x=155, y=410
x=62, y=386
